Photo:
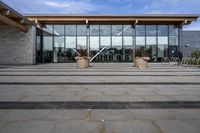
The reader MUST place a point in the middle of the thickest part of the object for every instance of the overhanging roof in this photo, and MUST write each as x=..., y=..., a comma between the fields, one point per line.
x=9, y=16
x=175, y=19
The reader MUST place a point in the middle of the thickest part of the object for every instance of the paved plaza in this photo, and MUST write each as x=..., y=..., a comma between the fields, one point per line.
x=105, y=98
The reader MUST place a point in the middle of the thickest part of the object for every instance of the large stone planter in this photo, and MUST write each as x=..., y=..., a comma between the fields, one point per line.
x=141, y=62
x=82, y=62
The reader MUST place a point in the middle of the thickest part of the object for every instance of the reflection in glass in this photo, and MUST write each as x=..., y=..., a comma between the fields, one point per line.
x=151, y=47
x=163, y=30
x=140, y=30
x=173, y=31
x=94, y=41
x=151, y=30
x=59, y=30
x=173, y=40
x=48, y=43
x=162, y=46
x=70, y=30
x=162, y=40
x=59, y=49
x=140, y=41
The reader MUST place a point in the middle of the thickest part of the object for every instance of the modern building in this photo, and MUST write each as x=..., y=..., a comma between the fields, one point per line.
x=49, y=38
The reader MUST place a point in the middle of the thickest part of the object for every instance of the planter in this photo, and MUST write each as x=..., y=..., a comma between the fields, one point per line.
x=82, y=62
x=141, y=62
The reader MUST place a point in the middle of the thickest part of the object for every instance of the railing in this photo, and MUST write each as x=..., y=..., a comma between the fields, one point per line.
x=98, y=54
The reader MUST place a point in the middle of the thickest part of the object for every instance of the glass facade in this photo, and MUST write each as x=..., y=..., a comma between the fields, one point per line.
x=60, y=42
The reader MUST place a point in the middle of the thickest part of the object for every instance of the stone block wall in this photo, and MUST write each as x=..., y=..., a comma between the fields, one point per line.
x=17, y=47
x=192, y=39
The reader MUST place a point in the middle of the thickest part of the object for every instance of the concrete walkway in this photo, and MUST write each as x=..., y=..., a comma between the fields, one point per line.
x=103, y=82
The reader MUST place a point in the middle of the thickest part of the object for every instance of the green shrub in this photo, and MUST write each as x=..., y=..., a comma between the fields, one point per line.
x=195, y=54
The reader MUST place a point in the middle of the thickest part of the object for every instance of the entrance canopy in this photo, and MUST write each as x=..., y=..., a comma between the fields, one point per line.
x=178, y=19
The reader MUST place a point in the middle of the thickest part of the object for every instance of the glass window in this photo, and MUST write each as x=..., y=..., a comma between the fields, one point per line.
x=105, y=41
x=47, y=43
x=162, y=50
x=81, y=30
x=81, y=42
x=140, y=30
x=128, y=41
x=117, y=35
x=94, y=30
x=151, y=30
x=117, y=30
x=59, y=41
x=151, y=40
x=70, y=42
x=70, y=30
x=140, y=40
x=127, y=30
x=59, y=30
x=173, y=40
x=162, y=40
x=117, y=41
x=105, y=30
x=163, y=30
x=173, y=31
x=94, y=43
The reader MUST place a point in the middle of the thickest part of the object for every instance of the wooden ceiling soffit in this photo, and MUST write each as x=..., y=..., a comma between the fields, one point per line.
x=13, y=23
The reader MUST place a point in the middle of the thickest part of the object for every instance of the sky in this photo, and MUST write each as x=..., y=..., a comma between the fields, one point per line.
x=109, y=7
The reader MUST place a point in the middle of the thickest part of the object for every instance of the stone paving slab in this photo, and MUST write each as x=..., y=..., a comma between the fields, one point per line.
x=28, y=127
x=81, y=126
x=136, y=126
x=177, y=126
x=52, y=120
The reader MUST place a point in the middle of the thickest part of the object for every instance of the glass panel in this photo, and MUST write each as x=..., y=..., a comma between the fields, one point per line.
x=105, y=30
x=81, y=30
x=59, y=30
x=127, y=30
x=173, y=40
x=151, y=30
x=151, y=40
x=94, y=30
x=163, y=30
x=173, y=31
x=128, y=41
x=151, y=47
x=105, y=41
x=140, y=40
x=128, y=48
x=162, y=40
x=59, y=49
x=140, y=30
x=47, y=48
x=70, y=42
x=81, y=42
x=162, y=51
x=70, y=30
x=117, y=36
x=94, y=43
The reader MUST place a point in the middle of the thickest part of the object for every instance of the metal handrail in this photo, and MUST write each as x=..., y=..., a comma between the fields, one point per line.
x=98, y=53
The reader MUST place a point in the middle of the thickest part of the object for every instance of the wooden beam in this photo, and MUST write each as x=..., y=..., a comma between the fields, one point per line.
x=13, y=23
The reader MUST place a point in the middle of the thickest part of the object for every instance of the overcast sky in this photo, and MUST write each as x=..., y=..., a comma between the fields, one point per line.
x=109, y=7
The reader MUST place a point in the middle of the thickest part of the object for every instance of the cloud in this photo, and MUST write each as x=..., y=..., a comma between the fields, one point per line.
x=107, y=7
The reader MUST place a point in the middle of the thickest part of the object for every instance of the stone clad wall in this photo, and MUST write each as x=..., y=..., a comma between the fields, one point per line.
x=17, y=47
x=193, y=39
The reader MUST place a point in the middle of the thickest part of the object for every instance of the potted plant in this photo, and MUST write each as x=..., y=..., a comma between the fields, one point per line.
x=141, y=58
x=83, y=60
